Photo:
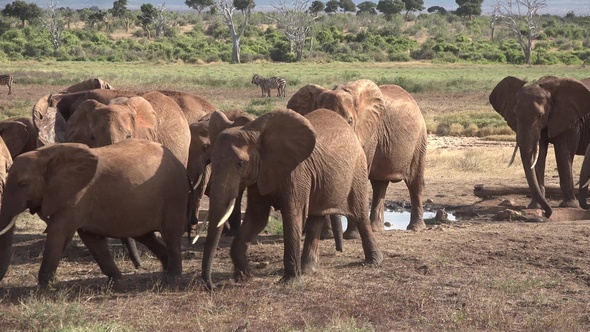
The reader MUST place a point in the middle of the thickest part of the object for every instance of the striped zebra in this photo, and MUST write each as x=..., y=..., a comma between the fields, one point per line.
x=7, y=80
x=270, y=83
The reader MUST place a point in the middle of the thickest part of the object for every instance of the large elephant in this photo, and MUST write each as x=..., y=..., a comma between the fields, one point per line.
x=202, y=138
x=308, y=166
x=110, y=191
x=551, y=110
x=392, y=131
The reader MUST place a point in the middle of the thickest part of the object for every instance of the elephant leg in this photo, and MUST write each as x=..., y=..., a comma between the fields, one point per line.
x=132, y=251
x=327, y=232
x=565, y=159
x=415, y=187
x=173, y=247
x=98, y=247
x=540, y=172
x=55, y=245
x=156, y=246
x=292, y=227
x=377, y=215
x=372, y=253
x=310, y=256
x=336, y=222
x=235, y=218
x=254, y=222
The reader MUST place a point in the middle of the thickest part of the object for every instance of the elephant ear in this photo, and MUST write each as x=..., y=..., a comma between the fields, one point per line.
x=69, y=167
x=15, y=136
x=304, y=101
x=239, y=117
x=218, y=122
x=50, y=124
x=144, y=116
x=369, y=104
x=286, y=139
x=503, y=98
x=570, y=101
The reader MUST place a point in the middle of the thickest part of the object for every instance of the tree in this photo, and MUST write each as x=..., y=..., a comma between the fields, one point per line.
x=68, y=15
x=199, y=5
x=296, y=22
x=23, y=11
x=121, y=12
x=367, y=7
x=227, y=8
x=316, y=7
x=390, y=8
x=347, y=6
x=55, y=24
x=507, y=13
x=146, y=18
x=438, y=9
x=412, y=6
x=469, y=8
x=332, y=6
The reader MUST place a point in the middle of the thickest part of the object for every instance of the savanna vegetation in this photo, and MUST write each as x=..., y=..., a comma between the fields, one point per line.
x=375, y=34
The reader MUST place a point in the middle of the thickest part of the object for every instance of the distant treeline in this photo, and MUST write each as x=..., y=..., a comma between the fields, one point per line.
x=205, y=37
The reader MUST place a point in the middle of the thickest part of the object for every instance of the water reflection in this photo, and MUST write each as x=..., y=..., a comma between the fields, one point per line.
x=401, y=219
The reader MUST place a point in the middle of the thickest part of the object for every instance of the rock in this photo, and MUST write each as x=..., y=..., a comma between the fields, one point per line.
x=441, y=215
x=508, y=215
x=429, y=201
x=507, y=203
x=387, y=224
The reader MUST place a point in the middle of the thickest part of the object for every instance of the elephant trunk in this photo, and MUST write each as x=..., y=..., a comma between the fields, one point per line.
x=220, y=208
x=529, y=159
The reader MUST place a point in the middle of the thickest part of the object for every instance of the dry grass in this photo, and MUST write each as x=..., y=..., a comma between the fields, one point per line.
x=473, y=275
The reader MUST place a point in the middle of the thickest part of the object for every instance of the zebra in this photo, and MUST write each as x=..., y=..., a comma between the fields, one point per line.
x=7, y=80
x=270, y=83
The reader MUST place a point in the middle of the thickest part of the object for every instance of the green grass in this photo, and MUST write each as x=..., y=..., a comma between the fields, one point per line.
x=415, y=77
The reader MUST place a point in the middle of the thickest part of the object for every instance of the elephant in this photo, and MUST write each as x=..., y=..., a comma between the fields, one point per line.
x=306, y=167
x=551, y=110
x=390, y=127
x=199, y=158
x=17, y=135
x=89, y=84
x=138, y=186
x=52, y=112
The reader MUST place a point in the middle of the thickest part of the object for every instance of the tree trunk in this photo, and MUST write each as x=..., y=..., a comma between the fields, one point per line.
x=235, y=56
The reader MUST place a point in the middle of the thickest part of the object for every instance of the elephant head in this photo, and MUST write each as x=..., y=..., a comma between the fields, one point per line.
x=89, y=84
x=264, y=152
x=96, y=124
x=551, y=104
x=359, y=102
x=43, y=181
x=13, y=138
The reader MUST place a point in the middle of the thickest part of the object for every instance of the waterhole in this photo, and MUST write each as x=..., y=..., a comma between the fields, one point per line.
x=401, y=219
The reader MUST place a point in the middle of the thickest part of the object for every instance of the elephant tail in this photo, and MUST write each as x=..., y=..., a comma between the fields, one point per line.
x=191, y=214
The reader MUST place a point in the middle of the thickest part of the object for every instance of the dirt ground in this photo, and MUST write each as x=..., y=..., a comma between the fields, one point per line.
x=475, y=274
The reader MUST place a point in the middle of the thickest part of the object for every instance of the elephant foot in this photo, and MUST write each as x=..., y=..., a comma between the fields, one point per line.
x=288, y=279
x=416, y=225
x=374, y=258
x=570, y=203
x=351, y=235
x=242, y=276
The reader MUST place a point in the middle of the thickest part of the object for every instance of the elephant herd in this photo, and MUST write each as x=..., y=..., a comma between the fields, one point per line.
x=107, y=163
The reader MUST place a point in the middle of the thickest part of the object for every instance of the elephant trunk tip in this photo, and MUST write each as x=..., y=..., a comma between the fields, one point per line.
x=548, y=212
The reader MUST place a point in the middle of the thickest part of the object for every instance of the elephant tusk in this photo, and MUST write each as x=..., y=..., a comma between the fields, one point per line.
x=585, y=183
x=200, y=229
x=513, y=156
x=198, y=182
x=535, y=157
x=228, y=212
x=7, y=228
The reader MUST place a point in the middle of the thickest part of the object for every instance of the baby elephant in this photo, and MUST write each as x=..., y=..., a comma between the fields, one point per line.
x=133, y=188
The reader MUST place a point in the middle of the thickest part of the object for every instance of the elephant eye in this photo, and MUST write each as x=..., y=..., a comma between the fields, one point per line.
x=350, y=120
x=240, y=164
x=128, y=136
x=22, y=184
x=92, y=138
x=205, y=147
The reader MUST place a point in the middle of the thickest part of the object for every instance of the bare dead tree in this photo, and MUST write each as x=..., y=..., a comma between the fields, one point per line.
x=226, y=8
x=55, y=24
x=295, y=20
x=160, y=20
x=520, y=17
